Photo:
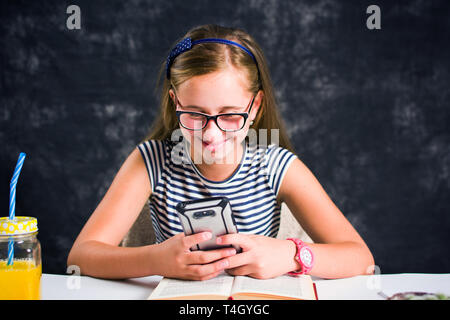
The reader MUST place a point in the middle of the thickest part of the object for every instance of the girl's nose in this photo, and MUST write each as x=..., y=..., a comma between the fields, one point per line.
x=211, y=131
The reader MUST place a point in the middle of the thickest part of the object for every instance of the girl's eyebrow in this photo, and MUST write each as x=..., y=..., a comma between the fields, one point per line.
x=200, y=109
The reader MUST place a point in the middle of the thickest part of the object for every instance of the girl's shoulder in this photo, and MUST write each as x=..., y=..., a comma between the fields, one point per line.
x=273, y=161
x=165, y=150
x=154, y=149
x=277, y=159
x=153, y=141
x=270, y=156
x=156, y=144
x=275, y=150
x=155, y=154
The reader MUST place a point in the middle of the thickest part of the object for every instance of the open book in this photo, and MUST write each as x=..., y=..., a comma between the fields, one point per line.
x=225, y=287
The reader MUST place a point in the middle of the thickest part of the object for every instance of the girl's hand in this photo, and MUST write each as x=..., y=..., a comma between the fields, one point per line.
x=262, y=257
x=177, y=261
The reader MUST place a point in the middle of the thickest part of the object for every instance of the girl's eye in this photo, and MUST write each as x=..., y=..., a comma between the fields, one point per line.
x=230, y=117
x=196, y=116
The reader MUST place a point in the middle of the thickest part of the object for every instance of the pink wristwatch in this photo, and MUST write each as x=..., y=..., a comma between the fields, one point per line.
x=304, y=256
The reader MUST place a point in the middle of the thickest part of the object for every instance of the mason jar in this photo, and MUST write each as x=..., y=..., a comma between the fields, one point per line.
x=20, y=259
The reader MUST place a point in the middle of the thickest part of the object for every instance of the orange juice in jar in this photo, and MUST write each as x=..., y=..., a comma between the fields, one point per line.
x=20, y=259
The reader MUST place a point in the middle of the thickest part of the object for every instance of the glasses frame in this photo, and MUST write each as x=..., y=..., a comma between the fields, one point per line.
x=179, y=113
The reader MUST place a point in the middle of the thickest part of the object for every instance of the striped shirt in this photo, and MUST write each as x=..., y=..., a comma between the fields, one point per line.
x=252, y=188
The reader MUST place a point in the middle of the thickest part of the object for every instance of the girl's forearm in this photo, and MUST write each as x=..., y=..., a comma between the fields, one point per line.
x=340, y=260
x=102, y=260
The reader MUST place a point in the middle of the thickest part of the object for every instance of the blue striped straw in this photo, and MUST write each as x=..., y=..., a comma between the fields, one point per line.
x=12, y=203
x=13, y=184
x=10, y=261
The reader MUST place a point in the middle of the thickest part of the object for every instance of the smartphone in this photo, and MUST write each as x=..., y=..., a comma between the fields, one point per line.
x=210, y=214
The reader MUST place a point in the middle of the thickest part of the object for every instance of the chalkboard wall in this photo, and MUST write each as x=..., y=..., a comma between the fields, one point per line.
x=367, y=110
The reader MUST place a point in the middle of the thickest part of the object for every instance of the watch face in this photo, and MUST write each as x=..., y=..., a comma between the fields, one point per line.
x=306, y=257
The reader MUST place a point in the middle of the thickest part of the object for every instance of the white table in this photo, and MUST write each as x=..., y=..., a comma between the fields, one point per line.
x=62, y=287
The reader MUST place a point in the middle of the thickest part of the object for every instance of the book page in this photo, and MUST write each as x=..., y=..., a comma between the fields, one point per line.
x=171, y=288
x=285, y=285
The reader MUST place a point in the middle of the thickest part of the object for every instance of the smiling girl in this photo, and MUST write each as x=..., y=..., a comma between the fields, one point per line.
x=216, y=98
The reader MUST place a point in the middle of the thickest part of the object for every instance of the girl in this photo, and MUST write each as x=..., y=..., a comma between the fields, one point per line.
x=216, y=97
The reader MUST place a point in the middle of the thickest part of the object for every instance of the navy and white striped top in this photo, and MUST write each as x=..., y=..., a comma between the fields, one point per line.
x=252, y=189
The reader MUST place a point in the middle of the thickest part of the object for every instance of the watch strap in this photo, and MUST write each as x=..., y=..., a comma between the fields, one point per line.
x=304, y=268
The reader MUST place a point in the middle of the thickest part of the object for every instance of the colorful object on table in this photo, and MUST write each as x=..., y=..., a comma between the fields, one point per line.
x=21, y=269
x=12, y=202
x=419, y=296
x=414, y=295
x=19, y=276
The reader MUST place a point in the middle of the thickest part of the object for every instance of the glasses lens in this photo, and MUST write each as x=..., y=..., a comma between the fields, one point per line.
x=192, y=121
x=230, y=122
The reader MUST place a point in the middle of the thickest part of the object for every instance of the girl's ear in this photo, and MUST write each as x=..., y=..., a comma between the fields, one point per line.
x=257, y=104
x=172, y=96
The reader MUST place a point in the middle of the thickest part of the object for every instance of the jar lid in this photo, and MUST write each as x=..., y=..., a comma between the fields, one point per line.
x=20, y=225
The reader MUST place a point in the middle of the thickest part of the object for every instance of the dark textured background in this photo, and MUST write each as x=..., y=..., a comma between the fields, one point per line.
x=368, y=111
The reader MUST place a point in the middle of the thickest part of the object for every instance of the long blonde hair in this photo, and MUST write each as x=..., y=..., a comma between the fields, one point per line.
x=209, y=57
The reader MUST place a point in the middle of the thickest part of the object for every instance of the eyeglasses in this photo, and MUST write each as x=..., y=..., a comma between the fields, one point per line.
x=228, y=122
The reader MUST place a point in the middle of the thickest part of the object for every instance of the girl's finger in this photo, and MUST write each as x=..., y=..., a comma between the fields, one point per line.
x=204, y=257
x=244, y=241
x=201, y=271
x=193, y=239
x=240, y=271
x=239, y=260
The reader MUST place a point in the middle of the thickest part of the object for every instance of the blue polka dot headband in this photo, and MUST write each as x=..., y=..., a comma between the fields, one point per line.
x=186, y=44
